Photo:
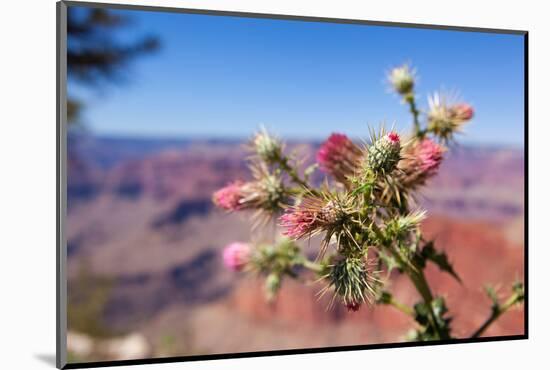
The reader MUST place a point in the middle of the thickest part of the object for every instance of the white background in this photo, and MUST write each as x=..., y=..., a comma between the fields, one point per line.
x=27, y=196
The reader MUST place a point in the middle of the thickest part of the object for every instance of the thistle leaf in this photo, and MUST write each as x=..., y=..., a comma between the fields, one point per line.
x=422, y=317
x=440, y=259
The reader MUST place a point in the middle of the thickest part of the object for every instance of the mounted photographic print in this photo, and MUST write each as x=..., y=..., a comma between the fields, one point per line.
x=234, y=184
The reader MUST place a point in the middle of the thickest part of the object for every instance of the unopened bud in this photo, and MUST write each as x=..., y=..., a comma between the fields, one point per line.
x=402, y=79
x=384, y=153
x=462, y=111
x=267, y=147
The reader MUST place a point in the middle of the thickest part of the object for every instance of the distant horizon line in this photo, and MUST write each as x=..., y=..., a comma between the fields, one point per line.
x=242, y=138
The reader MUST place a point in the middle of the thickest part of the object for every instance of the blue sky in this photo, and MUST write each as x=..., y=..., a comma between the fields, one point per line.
x=224, y=76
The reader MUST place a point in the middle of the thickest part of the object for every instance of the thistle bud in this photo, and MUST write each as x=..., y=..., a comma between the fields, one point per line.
x=298, y=223
x=384, y=153
x=340, y=157
x=429, y=156
x=267, y=147
x=445, y=119
x=462, y=111
x=229, y=197
x=402, y=79
x=266, y=193
x=350, y=279
x=236, y=255
x=404, y=224
x=311, y=216
x=421, y=161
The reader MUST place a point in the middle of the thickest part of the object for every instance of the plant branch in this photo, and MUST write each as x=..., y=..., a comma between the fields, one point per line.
x=291, y=171
x=417, y=277
x=401, y=307
x=315, y=267
x=419, y=280
x=497, y=310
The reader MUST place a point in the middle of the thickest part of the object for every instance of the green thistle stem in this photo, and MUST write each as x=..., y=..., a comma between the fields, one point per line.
x=291, y=171
x=497, y=311
x=419, y=280
x=401, y=307
x=409, y=98
x=417, y=277
x=315, y=267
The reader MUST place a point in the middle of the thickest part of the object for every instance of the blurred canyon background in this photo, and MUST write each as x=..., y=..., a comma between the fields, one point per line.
x=144, y=252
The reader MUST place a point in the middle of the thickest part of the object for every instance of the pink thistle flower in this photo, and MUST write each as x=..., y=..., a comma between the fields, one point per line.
x=229, y=197
x=422, y=160
x=333, y=149
x=353, y=306
x=463, y=111
x=429, y=154
x=393, y=137
x=298, y=223
x=236, y=255
x=339, y=156
x=305, y=219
